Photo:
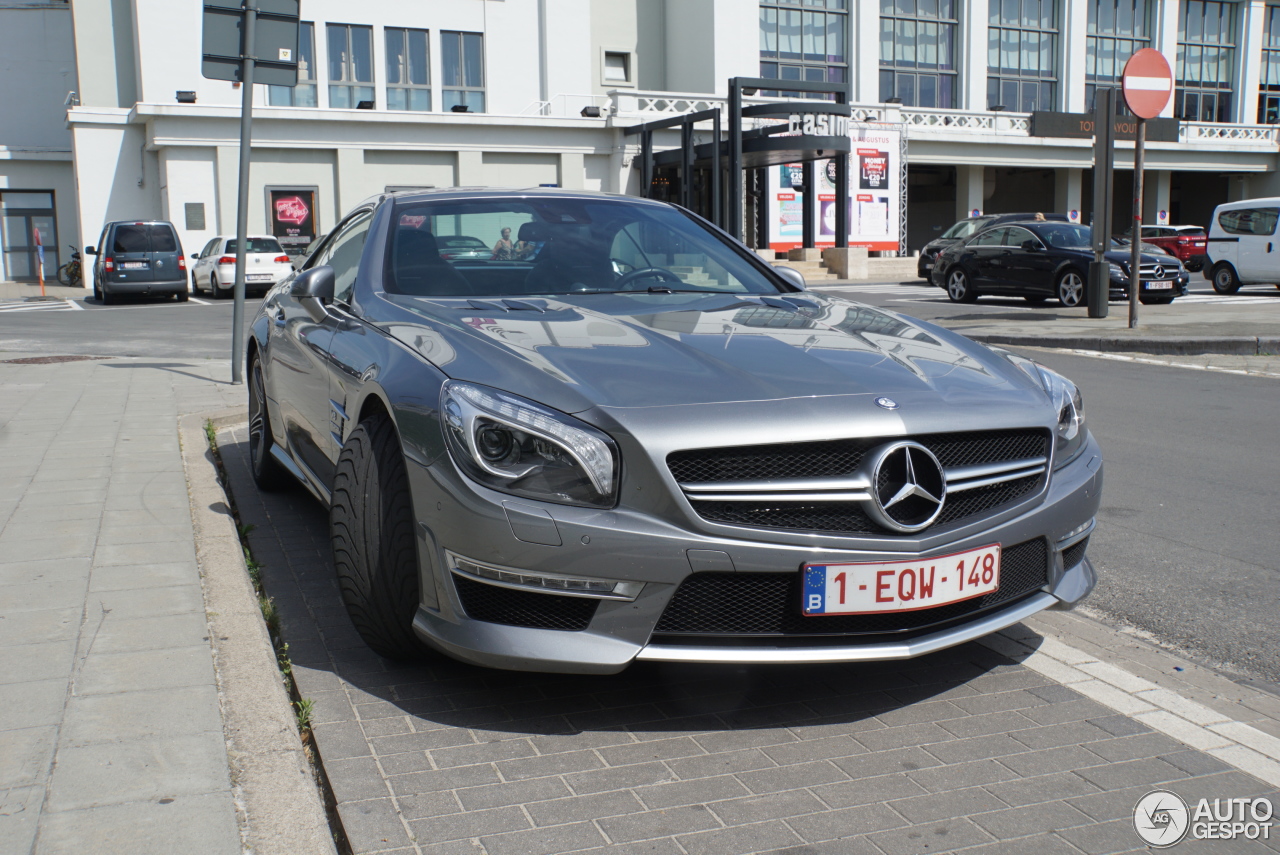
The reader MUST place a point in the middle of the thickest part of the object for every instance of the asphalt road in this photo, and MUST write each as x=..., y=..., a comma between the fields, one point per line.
x=1186, y=540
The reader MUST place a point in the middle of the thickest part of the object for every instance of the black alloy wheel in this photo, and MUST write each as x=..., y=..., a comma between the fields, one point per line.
x=959, y=288
x=1225, y=280
x=1070, y=288
x=268, y=474
x=375, y=552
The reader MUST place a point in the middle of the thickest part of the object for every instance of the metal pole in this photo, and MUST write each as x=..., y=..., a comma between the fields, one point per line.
x=646, y=164
x=1135, y=259
x=1099, y=284
x=242, y=200
x=716, y=212
x=735, y=160
x=686, y=165
x=842, y=201
x=807, y=204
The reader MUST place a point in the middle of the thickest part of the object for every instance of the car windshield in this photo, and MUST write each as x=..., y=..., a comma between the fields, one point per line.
x=964, y=228
x=257, y=245
x=1066, y=235
x=547, y=246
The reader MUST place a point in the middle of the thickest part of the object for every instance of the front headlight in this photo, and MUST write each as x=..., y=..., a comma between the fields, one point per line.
x=517, y=446
x=1065, y=396
x=1119, y=272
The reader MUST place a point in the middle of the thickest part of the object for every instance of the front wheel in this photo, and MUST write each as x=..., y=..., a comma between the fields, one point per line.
x=1070, y=288
x=267, y=473
x=65, y=275
x=1225, y=280
x=375, y=552
x=959, y=288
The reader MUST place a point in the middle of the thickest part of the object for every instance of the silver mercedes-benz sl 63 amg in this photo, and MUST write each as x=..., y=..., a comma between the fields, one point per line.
x=622, y=437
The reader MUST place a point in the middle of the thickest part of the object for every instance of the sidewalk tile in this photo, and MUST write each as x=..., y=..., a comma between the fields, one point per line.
x=122, y=635
x=544, y=841
x=703, y=791
x=658, y=823
x=779, y=805
x=32, y=704
x=512, y=793
x=19, y=819
x=372, y=825
x=24, y=663
x=936, y=807
x=204, y=823
x=745, y=838
x=470, y=824
x=33, y=627
x=129, y=715
x=141, y=670
x=124, y=577
x=944, y=836
x=1030, y=820
x=26, y=755
x=144, y=770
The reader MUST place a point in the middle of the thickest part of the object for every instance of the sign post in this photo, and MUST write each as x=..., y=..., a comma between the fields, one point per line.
x=241, y=36
x=1147, y=85
x=1103, y=149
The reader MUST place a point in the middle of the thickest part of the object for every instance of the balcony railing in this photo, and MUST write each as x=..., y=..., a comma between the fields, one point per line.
x=630, y=106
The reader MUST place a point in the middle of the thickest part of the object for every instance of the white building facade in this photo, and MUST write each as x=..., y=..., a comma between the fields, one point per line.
x=380, y=82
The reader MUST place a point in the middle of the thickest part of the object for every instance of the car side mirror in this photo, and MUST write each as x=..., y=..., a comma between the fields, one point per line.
x=313, y=289
x=195, y=256
x=1031, y=245
x=89, y=250
x=793, y=276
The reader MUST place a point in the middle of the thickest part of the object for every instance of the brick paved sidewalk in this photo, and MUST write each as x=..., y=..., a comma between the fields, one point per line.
x=964, y=750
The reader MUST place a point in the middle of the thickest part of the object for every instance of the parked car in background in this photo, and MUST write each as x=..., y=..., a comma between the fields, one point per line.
x=138, y=258
x=1243, y=245
x=646, y=444
x=967, y=228
x=1037, y=261
x=460, y=247
x=1186, y=243
x=265, y=264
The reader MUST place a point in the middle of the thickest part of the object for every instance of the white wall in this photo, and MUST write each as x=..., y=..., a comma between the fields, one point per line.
x=38, y=63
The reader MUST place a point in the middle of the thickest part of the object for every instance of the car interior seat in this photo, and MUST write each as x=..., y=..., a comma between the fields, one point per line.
x=569, y=258
x=420, y=270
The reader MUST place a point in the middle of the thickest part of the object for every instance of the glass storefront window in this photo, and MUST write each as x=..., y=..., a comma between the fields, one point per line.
x=22, y=212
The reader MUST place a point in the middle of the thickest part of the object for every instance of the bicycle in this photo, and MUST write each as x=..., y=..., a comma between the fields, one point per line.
x=71, y=274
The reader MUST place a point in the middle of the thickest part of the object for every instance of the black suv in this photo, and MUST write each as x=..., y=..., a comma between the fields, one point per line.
x=965, y=228
x=142, y=258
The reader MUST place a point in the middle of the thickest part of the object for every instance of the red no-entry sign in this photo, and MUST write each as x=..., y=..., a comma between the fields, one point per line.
x=1147, y=83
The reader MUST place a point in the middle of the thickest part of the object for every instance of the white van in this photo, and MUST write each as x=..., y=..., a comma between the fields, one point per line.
x=1244, y=248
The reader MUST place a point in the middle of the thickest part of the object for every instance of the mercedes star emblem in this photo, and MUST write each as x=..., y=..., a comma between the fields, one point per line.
x=887, y=403
x=1159, y=271
x=909, y=487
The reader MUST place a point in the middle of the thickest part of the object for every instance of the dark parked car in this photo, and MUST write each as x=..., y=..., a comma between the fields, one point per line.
x=140, y=258
x=967, y=228
x=457, y=247
x=1042, y=260
x=645, y=444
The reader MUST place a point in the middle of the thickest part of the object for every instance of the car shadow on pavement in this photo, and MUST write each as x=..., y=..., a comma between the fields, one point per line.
x=171, y=367
x=289, y=539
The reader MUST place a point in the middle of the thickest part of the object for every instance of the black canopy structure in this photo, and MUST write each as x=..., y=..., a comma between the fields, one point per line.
x=814, y=130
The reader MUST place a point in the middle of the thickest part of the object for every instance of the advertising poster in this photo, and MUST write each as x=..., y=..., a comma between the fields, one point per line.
x=293, y=220
x=875, y=197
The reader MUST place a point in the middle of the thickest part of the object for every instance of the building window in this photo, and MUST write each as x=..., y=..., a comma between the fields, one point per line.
x=1117, y=30
x=1269, y=96
x=617, y=68
x=304, y=94
x=408, y=70
x=350, y=66
x=1022, y=55
x=918, y=52
x=462, y=65
x=804, y=40
x=1206, y=61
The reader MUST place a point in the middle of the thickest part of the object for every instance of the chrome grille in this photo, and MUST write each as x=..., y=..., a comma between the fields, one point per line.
x=768, y=604
x=821, y=486
x=1163, y=270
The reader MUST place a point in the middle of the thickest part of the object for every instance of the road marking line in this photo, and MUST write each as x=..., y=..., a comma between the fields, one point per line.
x=1146, y=360
x=1240, y=745
x=75, y=304
x=198, y=301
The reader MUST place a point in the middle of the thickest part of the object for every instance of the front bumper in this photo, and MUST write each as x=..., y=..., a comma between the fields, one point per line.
x=457, y=516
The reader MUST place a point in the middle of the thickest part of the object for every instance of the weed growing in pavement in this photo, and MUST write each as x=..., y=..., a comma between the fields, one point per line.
x=303, y=708
x=211, y=433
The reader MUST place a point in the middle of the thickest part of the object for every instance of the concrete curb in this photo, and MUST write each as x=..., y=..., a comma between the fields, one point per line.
x=1171, y=345
x=278, y=804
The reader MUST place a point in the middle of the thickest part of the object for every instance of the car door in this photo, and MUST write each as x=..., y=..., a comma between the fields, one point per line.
x=298, y=372
x=1026, y=271
x=1257, y=254
x=200, y=273
x=167, y=264
x=985, y=250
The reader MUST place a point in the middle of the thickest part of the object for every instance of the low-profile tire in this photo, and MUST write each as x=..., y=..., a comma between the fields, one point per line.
x=182, y=296
x=1225, y=280
x=959, y=288
x=109, y=299
x=375, y=552
x=1035, y=299
x=268, y=474
x=1070, y=288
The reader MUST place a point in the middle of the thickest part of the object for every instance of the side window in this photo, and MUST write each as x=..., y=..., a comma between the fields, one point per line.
x=991, y=237
x=1249, y=221
x=208, y=248
x=343, y=254
x=1015, y=237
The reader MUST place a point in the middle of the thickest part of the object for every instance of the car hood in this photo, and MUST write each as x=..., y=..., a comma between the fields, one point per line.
x=670, y=352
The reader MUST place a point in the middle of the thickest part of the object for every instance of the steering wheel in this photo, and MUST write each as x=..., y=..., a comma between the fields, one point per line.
x=645, y=272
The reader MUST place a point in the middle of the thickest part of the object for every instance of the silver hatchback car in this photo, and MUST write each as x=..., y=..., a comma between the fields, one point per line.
x=633, y=440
